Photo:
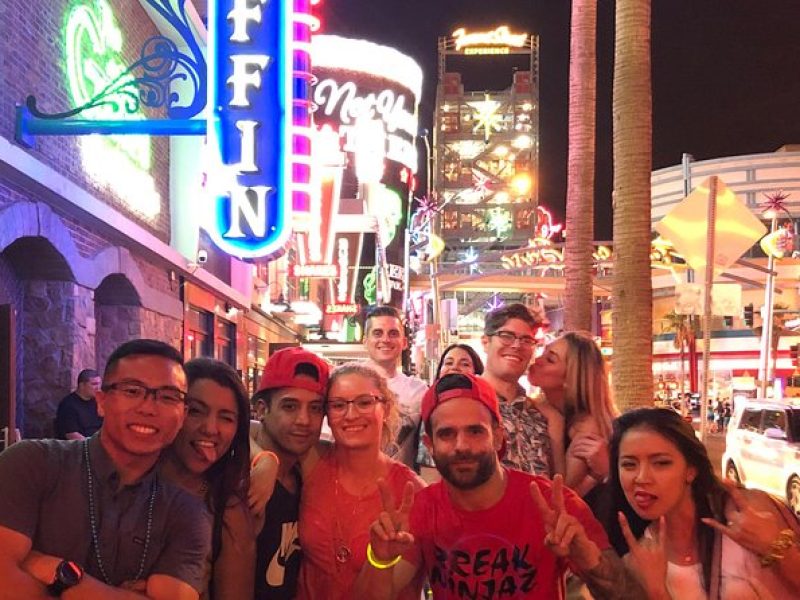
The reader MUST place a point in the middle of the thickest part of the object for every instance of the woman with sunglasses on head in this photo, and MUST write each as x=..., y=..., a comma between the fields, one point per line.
x=210, y=458
x=572, y=375
x=706, y=539
x=341, y=497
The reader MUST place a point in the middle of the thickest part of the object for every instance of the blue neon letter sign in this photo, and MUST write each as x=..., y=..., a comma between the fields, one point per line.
x=250, y=125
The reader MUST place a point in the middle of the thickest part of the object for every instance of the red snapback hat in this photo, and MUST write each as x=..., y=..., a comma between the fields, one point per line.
x=463, y=385
x=282, y=369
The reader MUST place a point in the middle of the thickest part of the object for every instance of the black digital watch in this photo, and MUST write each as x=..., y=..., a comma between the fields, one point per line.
x=68, y=574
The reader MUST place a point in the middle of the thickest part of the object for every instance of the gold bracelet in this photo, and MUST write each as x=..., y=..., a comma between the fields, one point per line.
x=379, y=564
x=778, y=548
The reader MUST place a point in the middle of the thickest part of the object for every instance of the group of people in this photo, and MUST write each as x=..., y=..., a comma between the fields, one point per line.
x=180, y=495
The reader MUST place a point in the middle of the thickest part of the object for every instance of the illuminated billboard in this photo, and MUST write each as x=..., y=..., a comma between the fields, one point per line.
x=364, y=162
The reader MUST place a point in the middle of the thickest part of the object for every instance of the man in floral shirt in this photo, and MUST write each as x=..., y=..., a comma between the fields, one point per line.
x=509, y=340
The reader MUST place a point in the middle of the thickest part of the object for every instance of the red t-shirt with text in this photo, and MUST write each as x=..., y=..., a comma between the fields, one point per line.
x=495, y=553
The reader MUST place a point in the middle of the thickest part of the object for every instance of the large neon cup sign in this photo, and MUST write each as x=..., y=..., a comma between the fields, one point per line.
x=364, y=159
x=258, y=122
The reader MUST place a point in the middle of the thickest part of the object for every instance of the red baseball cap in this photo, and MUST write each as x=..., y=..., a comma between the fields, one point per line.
x=462, y=385
x=282, y=369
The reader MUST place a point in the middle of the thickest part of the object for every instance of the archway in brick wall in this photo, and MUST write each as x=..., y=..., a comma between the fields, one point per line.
x=118, y=315
x=54, y=328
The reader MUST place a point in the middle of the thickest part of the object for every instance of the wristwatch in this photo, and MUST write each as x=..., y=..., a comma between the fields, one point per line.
x=68, y=574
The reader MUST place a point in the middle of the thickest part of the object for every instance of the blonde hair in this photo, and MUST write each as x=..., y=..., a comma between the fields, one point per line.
x=392, y=417
x=586, y=388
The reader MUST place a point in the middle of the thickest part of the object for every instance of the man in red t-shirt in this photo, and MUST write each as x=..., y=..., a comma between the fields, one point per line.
x=486, y=531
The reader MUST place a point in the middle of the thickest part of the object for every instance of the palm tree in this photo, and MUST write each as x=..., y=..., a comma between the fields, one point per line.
x=632, y=307
x=686, y=331
x=580, y=164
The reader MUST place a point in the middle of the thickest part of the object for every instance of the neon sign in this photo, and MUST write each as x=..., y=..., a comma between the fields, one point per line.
x=499, y=38
x=342, y=309
x=93, y=59
x=356, y=111
x=313, y=271
x=258, y=123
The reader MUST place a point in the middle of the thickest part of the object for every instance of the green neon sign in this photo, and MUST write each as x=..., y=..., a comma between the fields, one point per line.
x=93, y=59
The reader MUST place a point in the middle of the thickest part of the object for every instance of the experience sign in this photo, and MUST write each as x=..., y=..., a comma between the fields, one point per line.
x=250, y=129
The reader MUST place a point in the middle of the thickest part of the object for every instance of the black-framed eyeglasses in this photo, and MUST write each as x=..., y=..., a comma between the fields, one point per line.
x=507, y=338
x=365, y=405
x=136, y=392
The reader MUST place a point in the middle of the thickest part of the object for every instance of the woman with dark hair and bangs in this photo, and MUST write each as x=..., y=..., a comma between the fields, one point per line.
x=210, y=458
x=698, y=537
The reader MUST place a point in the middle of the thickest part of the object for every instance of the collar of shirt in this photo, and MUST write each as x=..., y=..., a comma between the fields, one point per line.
x=521, y=397
x=106, y=471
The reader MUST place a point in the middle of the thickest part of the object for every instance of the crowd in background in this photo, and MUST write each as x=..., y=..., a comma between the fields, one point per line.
x=163, y=486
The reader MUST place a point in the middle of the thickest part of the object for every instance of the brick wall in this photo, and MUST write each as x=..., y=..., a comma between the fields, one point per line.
x=32, y=61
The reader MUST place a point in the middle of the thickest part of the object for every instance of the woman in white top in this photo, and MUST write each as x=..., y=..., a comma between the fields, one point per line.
x=705, y=538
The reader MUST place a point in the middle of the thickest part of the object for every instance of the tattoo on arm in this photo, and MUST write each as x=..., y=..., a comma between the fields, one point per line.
x=610, y=579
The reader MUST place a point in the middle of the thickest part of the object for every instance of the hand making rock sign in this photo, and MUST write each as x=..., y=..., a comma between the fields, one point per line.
x=751, y=528
x=647, y=557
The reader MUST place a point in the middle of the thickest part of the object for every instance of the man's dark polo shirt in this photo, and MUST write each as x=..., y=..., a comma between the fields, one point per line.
x=75, y=414
x=44, y=496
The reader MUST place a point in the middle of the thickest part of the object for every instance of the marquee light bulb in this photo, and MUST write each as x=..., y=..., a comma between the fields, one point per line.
x=522, y=184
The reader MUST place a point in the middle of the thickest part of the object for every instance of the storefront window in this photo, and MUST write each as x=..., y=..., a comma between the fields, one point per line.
x=199, y=326
x=226, y=342
x=256, y=358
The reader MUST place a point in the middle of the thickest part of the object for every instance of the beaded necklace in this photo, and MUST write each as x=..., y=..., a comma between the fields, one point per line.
x=93, y=520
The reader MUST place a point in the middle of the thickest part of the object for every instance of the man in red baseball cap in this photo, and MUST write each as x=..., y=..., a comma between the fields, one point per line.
x=291, y=402
x=484, y=530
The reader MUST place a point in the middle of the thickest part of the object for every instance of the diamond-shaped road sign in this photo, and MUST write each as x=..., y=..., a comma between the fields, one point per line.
x=736, y=228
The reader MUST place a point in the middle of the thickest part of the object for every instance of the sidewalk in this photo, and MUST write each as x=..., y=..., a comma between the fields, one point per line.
x=715, y=444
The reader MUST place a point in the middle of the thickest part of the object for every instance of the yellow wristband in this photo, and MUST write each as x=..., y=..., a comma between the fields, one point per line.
x=379, y=564
x=257, y=458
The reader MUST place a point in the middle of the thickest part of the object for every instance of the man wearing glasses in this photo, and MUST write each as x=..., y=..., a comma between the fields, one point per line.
x=385, y=340
x=93, y=518
x=509, y=341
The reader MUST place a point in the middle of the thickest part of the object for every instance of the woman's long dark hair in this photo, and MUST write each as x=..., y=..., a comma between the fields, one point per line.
x=708, y=493
x=477, y=363
x=228, y=478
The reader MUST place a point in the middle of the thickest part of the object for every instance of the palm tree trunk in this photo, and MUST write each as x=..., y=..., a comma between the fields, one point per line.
x=632, y=306
x=581, y=165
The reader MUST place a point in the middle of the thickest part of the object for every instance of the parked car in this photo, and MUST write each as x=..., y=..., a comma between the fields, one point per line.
x=763, y=448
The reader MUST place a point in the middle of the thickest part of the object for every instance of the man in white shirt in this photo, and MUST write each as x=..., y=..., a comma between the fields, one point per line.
x=385, y=340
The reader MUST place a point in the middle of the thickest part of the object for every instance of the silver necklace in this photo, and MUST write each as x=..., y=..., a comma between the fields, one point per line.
x=93, y=520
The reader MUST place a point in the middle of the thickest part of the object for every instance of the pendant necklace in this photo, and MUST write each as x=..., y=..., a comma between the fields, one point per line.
x=93, y=520
x=341, y=546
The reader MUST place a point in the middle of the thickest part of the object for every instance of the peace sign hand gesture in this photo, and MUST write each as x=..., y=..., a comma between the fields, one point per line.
x=752, y=529
x=389, y=535
x=647, y=558
x=566, y=536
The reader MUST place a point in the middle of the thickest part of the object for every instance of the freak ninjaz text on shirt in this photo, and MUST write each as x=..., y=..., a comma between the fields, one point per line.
x=484, y=573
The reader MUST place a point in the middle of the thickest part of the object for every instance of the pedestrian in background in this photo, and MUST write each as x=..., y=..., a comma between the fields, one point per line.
x=76, y=416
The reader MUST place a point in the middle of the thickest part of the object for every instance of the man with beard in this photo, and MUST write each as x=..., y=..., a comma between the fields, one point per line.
x=508, y=340
x=291, y=399
x=485, y=531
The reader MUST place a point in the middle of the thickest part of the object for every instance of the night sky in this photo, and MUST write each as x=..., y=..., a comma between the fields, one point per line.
x=726, y=74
